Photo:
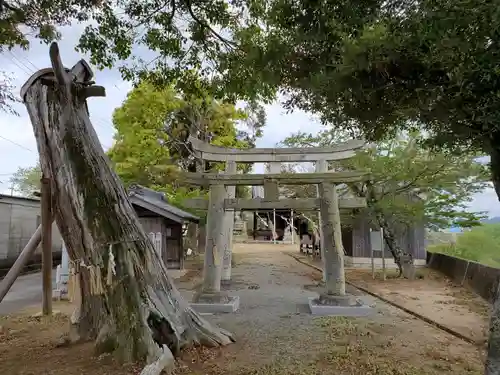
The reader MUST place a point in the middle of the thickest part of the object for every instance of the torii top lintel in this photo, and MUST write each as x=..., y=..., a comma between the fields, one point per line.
x=210, y=152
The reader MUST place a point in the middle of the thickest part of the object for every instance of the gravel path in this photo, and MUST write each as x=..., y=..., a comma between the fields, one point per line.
x=275, y=330
x=273, y=307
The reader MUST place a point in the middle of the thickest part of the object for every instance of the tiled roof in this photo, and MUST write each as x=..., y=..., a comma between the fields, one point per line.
x=157, y=202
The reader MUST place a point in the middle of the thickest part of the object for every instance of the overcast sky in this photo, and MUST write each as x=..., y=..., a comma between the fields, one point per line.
x=18, y=147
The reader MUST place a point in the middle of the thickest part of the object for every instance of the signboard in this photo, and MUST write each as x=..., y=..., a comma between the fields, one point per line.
x=376, y=240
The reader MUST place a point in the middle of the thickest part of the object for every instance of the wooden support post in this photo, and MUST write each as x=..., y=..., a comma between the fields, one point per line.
x=275, y=233
x=254, y=230
x=383, y=252
x=20, y=262
x=191, y=237
x=201, y=237
x=333, y=249
x=228, y=228
x=214, y=244
x=46, y=214
x=372, y=257
x=321, y=167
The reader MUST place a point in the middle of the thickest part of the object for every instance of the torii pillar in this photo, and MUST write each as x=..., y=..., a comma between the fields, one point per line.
x=321, y=167
x=228, y=229
x=274, y=168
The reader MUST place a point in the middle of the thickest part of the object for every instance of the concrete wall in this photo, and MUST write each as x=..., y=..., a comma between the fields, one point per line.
x=19, y=219
x=480, y=278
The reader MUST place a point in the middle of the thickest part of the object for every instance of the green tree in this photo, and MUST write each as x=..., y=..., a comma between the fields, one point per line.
x=254, y=123
x=26, y=181
x=181, y=35
x=410, y=184
x=376, y=68
x=187, y=40
x=152, y=130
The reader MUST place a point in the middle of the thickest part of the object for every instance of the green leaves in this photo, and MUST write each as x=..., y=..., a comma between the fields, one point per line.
x=152, y=127
x=481, y=244
x=412, y=183
x=26, y=181
x=368, y=66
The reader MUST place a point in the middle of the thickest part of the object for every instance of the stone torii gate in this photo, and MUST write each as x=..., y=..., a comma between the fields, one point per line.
x=222, y=203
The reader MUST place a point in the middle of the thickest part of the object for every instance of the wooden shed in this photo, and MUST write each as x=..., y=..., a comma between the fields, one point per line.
x=162, y=222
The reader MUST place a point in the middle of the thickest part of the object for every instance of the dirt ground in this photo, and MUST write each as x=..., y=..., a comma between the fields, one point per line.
x=434, y=296
x=431, y=295
x=275, y=333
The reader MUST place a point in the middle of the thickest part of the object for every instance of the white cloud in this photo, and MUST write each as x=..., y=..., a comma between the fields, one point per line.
x=18, y=146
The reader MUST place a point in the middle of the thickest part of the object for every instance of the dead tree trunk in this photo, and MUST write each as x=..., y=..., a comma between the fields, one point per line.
x=129, y=304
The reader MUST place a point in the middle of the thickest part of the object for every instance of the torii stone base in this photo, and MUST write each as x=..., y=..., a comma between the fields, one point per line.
x=326, y=305
x=204, y=305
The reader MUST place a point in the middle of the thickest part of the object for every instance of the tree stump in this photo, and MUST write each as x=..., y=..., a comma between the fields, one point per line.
x=129, y=304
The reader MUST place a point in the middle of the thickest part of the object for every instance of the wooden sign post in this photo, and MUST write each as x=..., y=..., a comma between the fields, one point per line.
x=46, y=214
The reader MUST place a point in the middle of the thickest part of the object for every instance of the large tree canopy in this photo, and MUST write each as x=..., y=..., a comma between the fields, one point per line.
x=152, y=128
x=376, y=68
x=370, y=67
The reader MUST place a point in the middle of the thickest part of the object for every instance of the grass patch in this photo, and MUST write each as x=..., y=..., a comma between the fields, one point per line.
x=353, y=359
x=481, y=244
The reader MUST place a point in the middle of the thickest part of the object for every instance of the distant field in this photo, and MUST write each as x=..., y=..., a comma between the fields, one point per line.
x=441, y=238
x=481, y=244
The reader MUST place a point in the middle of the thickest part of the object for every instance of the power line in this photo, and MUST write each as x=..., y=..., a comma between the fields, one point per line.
x=29, y=70
x=15, y=143
x=28, y=60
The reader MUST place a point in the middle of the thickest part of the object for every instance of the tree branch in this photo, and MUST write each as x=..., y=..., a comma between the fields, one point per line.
x=408, y=185
x=206, y=25
x=151, y=15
